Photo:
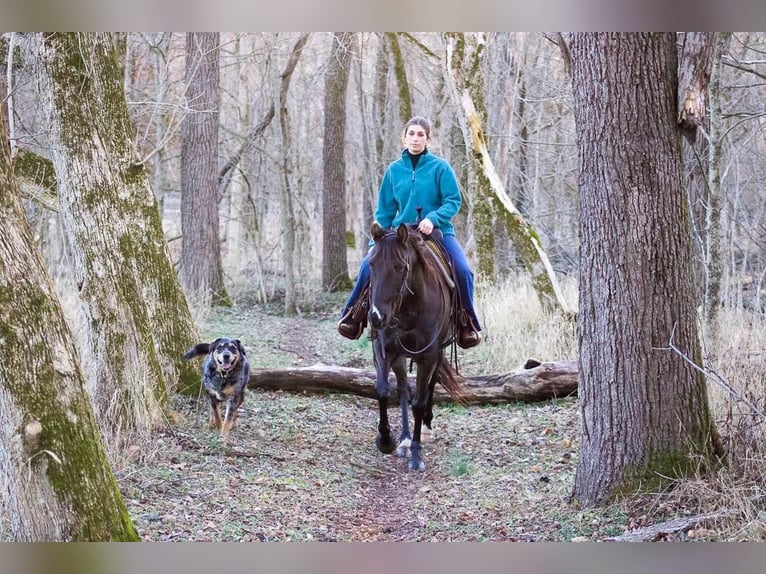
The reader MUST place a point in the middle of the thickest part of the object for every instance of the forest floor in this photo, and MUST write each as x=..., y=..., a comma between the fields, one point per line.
x=305, y=467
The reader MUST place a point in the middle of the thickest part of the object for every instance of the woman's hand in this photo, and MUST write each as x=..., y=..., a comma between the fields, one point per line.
x=426, y=227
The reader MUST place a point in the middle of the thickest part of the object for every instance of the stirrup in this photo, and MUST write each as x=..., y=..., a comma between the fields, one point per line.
x=350, y=327
x=468, y=337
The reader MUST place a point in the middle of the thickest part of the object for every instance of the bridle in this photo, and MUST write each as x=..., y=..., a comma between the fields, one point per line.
x=404, y=285
x=397, y=303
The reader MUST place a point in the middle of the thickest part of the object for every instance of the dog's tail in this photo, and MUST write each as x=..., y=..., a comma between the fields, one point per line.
x=198, y=350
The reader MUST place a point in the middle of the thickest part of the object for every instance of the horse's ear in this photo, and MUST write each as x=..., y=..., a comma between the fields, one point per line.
x=376, y=231
x=402, y=233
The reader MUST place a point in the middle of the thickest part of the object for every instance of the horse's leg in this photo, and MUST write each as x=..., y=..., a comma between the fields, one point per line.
x=426, y=372
x=405, y=438
x=385, y=440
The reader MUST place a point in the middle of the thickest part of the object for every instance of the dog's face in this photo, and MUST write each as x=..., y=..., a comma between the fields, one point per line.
x=226, y=353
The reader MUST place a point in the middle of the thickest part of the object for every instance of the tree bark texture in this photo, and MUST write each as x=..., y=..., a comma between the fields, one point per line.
x=644, y=408
x=55, y=479
x=201, y=265
x=334, y=257
x=138, y=320
x=695, y=63
x=536, y=382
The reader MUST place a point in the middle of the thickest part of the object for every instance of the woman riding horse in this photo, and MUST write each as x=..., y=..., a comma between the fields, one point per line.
x=419, y=179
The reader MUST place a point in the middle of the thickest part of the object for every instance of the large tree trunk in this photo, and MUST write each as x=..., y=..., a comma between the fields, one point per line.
x=201, y=266
x=645, y=412
x=55, y=479
x=462, y=71
x=334, y=260
x=138, y=320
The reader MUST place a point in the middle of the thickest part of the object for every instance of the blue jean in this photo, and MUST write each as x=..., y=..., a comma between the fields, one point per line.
x=463, y=274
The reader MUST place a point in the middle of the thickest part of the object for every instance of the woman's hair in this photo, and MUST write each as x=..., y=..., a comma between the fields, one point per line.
x=418, y=121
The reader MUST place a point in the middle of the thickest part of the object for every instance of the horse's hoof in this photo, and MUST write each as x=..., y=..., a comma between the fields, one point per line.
x=403, y=450
x=385, y=446
x=420, y=465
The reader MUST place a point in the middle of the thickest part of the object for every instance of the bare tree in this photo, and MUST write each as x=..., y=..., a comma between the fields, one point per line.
x=489, y=198
x=334, y=261
x=55, y=479
x=644, y=407
x=138, y=322
x=201, y=266
x=712, y=237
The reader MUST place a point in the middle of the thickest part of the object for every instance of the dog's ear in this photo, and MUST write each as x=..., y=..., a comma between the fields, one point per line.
x=214, y=344
x=240, y=347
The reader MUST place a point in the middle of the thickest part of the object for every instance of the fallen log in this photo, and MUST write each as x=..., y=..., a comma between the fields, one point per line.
x=533, y=382
x=672, y=530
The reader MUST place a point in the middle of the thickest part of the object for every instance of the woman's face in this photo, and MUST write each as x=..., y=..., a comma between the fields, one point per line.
x=415, y=139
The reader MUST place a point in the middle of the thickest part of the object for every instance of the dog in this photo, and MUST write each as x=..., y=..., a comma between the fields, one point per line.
x=225, y=373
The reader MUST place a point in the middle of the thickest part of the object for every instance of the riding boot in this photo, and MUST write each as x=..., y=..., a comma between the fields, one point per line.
x=467, y=334
x=353, y=322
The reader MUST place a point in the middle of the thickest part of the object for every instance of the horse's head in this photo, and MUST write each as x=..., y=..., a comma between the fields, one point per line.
x=390, y=265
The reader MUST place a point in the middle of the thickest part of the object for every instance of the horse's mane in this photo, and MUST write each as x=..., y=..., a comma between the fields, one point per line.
x=388, y=251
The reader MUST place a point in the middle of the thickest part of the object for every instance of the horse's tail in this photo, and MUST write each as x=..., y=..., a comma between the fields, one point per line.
x=450, y=380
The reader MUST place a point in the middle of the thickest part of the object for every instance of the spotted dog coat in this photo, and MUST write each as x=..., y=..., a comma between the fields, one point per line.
x=225, y=373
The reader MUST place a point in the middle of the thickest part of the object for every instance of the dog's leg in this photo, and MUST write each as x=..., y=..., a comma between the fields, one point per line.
x=215, y=417
x=229, y=417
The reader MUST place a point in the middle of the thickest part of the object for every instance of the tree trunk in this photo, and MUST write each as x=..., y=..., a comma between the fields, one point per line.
x=400, y=73
x=201, y=266
x=645, y=413
x=713, y=233
x=534, y=382
x=490, y=189
x=380, y=101
x=697, y=54
x=238, y=194
x=286, y=202
x=138, y=320
x=334, y=258
x=55, y=479
x=361, y=216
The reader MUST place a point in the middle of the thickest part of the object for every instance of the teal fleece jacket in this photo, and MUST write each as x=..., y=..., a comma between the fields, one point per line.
x=432, y=185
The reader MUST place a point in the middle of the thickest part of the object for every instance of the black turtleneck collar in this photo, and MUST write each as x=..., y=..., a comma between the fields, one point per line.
x=415, y=158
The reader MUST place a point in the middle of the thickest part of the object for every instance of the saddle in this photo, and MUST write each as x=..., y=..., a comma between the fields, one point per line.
x=355, y=319
x=436, y=248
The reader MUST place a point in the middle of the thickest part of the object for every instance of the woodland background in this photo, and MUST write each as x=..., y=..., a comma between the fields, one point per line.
x=529, y=131
x=287, y=136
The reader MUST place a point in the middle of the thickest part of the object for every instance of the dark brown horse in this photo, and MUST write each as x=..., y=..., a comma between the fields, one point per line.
x=410, y=317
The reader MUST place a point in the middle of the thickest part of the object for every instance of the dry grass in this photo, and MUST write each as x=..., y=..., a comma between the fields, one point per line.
x=517, y=328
